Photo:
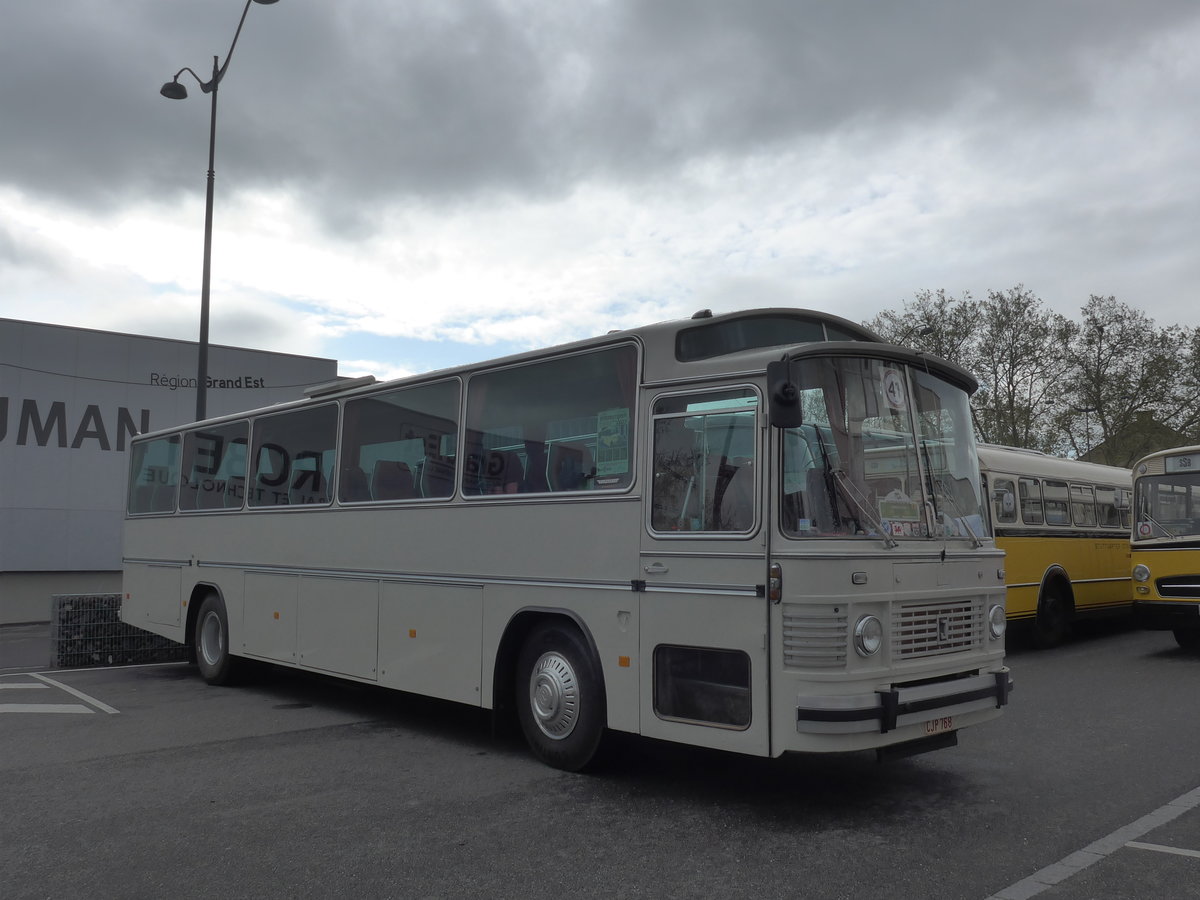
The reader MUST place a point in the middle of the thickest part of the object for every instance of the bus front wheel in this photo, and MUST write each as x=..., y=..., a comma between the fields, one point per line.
x=560, y=697
x=1053, y=620
x=1188, y=639
x=212, y=642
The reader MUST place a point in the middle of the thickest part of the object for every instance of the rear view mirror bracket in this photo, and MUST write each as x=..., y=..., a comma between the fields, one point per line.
x=783, y=395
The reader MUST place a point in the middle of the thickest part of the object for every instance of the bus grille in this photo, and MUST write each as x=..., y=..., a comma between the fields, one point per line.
x=1180, y=587
x=814, y=637
x=936, y=627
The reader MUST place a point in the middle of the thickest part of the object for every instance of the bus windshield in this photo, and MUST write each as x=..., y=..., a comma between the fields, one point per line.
x=1168, y=506
x=885, y=451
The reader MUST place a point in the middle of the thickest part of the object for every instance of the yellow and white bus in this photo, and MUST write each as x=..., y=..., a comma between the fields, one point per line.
x=675, y=531
x=1166, y=543
x=1064, y=527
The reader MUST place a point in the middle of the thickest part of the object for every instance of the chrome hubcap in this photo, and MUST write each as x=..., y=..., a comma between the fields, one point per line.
x=554, y=696
x=212, y=640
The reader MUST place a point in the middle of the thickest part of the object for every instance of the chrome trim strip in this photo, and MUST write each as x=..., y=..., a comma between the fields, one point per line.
x=1027, y=584
x=714, y=590
x=414, y=578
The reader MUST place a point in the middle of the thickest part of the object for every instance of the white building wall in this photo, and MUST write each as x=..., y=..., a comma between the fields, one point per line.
x=69, y=400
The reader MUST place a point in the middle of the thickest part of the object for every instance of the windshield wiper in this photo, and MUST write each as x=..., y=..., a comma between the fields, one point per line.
x=1153, y=521
x=960, y=515
x=850, y=494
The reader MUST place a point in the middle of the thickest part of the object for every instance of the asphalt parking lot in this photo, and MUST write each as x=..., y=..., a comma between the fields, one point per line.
x=145, y=782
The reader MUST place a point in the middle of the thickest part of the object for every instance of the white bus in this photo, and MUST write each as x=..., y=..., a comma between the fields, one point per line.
x=1064, y=527
x=759, y=532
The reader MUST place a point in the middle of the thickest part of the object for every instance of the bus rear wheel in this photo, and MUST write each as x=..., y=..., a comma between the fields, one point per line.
x=1188, y=639
x=213, y=659
x=560, y=697
x=1053, y=620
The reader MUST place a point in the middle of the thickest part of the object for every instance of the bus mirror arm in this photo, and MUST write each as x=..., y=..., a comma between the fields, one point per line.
x=783, y=396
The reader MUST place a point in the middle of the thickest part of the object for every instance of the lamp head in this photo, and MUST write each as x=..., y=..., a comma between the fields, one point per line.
x=173, y=90
x=266, y=2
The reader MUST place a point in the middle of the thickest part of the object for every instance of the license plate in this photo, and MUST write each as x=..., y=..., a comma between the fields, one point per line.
x=938, y=726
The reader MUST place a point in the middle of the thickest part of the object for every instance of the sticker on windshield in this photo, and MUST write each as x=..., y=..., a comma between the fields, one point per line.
x=893, y=389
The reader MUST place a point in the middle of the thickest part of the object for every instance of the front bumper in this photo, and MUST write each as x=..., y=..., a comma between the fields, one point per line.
x=899, y=706
x=1163, y=615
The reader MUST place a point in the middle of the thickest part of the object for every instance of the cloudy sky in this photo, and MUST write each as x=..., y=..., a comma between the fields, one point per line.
x=408, y=184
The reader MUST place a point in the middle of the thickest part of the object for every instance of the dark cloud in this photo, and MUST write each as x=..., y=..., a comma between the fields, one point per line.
x=359, y=103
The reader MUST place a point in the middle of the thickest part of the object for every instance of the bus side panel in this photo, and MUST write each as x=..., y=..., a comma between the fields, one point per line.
x=430, y=639
x=1098, y=570
x=337, y=625
x=269, y=618
x=1110, y=562
x=154, y=598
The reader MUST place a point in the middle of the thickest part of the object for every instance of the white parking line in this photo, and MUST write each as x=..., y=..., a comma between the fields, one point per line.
x=103, y=707
x=43, y=683
x=1159, y=848
x=1098, y=850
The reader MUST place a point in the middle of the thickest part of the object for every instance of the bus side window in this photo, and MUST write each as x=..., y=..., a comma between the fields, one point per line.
x=1004, y=501
x=154, y=476
x=1058, y=509
x=558, y=425
x=570, y=467
x=399, y=444
x=1106, y=507
x=1031, y=501
x=294, y=456
x=1083, y=504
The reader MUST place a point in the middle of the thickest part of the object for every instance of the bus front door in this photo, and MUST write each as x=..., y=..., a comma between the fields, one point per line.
x=704, y=645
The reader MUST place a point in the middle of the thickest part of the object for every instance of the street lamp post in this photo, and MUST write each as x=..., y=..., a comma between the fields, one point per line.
x=173, y=90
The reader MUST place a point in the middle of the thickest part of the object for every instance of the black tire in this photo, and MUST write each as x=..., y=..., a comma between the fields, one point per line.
x=560, y=697
x=1053, y=622
x=1188, y=639
x=212, y=642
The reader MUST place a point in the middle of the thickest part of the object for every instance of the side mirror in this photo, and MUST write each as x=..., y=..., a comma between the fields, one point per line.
x=783, y=397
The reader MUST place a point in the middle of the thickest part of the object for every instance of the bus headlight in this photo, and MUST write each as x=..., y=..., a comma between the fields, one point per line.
x=997, y=622
x=868, y=636
x=1141, y=573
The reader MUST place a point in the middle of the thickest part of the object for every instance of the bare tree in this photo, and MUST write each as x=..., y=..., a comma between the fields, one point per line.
x=933, y=321
x=1019, y=356
x=1113, y=385
x=1129, y=386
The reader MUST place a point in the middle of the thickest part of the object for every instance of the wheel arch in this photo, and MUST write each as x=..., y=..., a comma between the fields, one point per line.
x=199, y=591
x=518, y=629
x=1056, y=578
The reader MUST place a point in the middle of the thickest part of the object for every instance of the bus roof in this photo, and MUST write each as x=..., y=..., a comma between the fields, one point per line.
x=1152, y=460
x=684, y=350
x=1019, y=461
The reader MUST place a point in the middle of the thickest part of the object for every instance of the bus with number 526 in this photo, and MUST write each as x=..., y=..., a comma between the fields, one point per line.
x=761, y=532
x=1165, y=543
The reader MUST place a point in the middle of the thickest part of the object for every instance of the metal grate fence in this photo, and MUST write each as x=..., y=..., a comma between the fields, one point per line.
x=86, y=630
